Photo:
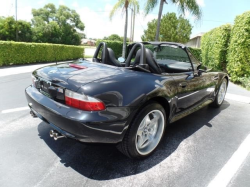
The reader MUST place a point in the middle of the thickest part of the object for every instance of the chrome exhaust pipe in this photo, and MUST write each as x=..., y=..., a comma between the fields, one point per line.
x=51, y=133
x=57, y=136
x=33, y=114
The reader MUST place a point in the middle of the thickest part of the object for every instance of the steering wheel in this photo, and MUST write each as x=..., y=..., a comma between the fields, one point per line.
x=131, y=53
x=104, y=56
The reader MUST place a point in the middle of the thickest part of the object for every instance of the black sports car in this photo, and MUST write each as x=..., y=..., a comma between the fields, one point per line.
x=127, y=103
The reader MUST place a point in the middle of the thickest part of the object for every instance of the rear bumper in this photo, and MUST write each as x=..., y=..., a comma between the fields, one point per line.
x=108, y=126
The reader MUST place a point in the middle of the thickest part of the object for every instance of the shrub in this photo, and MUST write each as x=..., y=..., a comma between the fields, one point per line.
x=116, y=46
x=214, y=45
x=244, y=81
x=196, y=52
x=239, y=48
x=25, y=53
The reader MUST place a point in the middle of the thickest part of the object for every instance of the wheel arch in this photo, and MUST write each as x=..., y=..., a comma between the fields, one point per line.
x=221, y=77
x=157, y=99
x=161, y=101
x=226, y=77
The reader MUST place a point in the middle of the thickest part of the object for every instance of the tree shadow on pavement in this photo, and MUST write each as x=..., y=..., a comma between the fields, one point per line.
x=104, y=162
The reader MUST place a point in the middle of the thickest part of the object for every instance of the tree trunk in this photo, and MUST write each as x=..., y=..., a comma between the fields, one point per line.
x=159, y=21
x=131, y=27
x=125, y=34
x=133, y=32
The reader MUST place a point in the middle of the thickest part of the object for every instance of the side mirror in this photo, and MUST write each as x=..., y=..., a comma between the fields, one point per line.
x=121, y=59
x=201, y=66
x=200, y=71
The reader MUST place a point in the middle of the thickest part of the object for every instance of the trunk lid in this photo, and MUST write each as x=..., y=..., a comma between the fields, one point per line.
x=76, y=74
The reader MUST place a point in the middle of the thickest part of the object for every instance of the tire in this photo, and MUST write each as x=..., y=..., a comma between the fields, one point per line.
x=145, y=132
x=220, y=96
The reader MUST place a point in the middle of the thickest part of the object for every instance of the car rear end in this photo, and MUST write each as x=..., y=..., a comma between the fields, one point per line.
x=53, y=97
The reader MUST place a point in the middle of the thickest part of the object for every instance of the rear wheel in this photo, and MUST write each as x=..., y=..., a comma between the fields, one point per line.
x=145, y=132
x=221, y=94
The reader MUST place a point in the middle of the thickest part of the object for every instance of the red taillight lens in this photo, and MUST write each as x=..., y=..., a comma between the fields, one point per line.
x=83, y=102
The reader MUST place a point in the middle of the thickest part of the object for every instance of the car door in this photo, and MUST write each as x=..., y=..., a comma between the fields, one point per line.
x=189, y=90
x=207, y=80
x=192, y=87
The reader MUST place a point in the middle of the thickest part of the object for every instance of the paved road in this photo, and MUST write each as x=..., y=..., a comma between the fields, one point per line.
x=193, y=151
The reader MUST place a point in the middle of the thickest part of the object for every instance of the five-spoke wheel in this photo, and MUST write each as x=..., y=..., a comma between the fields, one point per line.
x=149, y=132
x=145, y=132
x=222, y=91
x=219, y=98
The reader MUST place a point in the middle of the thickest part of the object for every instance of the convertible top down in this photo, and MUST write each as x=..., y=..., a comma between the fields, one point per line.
x=127, y=103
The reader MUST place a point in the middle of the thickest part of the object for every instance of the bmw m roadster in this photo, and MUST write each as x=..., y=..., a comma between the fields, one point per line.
x=128, y=102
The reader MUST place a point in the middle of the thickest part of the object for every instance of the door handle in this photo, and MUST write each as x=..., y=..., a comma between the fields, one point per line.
x=216, y=77
x=183, y=84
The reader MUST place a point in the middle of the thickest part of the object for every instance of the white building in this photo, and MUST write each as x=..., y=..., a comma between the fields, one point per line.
x=88, y=42
x=195, y=41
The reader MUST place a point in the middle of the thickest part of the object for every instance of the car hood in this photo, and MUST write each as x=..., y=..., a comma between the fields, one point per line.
x=76, y=74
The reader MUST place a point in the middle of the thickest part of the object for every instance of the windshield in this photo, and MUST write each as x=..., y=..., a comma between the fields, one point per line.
x=171, y=59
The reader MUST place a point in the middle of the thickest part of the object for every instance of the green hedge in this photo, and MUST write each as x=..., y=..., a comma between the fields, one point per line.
x=25, y=53
x=214, y=45
x=239, y=48
x=196, y=52
x=116, y=46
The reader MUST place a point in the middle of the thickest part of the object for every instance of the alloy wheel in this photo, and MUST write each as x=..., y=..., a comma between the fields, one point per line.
x=150, y=132
x=222, y=91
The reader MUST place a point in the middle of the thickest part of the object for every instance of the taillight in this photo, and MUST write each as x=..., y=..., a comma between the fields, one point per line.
x=83, y=102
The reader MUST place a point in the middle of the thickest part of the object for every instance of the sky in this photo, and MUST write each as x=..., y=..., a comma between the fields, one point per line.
x=95, y=14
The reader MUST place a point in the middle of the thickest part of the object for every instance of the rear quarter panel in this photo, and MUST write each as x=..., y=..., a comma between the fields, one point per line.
x=130, y=89
x=221, y=76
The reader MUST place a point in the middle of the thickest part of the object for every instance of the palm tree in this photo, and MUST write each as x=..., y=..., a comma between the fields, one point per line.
x=188, y=5
x=134, y=11
x=125, y=4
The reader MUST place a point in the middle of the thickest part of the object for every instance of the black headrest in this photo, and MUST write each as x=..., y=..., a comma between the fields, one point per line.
x=112, y=59
x=137, y=58
x=153, y=65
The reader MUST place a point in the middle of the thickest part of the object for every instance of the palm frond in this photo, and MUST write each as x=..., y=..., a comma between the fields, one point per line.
x=120, y=4
x=188, y=5
x=150, y=5
x=135, y=5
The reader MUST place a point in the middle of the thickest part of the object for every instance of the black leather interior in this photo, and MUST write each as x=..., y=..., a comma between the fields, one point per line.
x=112, y=59
x=137, y=58
x=104, y=53
x=153, y=65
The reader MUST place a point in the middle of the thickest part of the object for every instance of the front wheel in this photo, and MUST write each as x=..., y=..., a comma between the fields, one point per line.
x=221, y=94
x=145, y=132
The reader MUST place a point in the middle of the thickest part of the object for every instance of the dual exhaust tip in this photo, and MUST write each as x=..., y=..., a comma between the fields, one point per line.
x=33, y=114
x=54, y=134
